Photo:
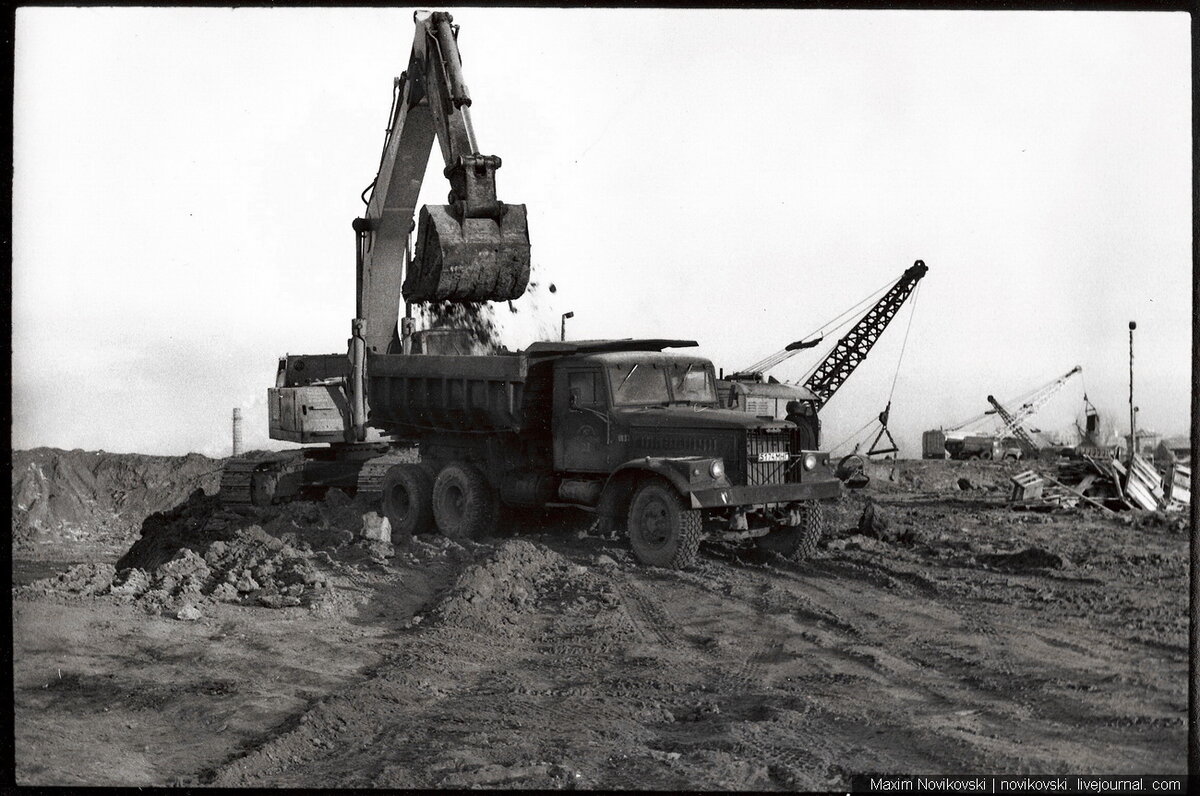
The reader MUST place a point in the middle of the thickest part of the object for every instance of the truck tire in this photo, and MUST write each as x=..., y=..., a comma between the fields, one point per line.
x=464, y=505
x=799, y=542
x=407, y=498
x=663, y=532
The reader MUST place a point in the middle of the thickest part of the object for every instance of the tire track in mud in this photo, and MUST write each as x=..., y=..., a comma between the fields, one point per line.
x=650, y=619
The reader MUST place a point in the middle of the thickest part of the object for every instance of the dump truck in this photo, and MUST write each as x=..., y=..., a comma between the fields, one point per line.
x=631, y=431
x=623, y=428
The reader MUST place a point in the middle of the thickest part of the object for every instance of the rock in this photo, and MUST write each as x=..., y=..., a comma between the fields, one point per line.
x=376, y=527
x=605, y=561
x=336, y=498
x=132, y=582
x=188, y=613
x=225, y=593
x=872, y=522
x=245, y=583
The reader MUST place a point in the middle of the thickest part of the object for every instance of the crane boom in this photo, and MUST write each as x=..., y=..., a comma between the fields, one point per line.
x=1028, y=446
x=1012, y=421
x=853, y=347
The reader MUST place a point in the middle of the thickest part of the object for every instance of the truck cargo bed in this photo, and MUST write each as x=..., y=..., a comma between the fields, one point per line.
x=446, y=393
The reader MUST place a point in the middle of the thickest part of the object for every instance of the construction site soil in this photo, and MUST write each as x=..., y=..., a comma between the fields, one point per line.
x=162, y=639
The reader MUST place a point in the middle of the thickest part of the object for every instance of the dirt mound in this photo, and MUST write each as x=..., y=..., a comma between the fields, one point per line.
x=70, y=496
x=940, y=477
x=507, y=582
x=199, y=552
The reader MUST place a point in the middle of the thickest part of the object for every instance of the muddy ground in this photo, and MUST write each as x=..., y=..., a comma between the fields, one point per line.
x=281, y=648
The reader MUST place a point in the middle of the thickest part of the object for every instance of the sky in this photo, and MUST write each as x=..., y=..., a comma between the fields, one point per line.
x=184, y=183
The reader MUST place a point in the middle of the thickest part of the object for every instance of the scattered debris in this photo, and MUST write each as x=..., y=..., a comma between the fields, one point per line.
x=1105, y=484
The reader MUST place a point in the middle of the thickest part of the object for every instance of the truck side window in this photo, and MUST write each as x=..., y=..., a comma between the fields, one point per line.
x=582, y=383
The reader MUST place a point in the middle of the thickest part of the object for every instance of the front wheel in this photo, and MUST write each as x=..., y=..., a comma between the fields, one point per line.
x=798, y=542
x=663, y=532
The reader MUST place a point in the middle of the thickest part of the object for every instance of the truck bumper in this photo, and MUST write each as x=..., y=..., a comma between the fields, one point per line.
x=721, y=497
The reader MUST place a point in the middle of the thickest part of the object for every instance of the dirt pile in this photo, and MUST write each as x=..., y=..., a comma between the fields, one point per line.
x=942, y=477
x=70, y=496
x=515, y=578
x=200, y=552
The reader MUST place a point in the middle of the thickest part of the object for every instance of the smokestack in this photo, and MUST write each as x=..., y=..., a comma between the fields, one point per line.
x=237, y=432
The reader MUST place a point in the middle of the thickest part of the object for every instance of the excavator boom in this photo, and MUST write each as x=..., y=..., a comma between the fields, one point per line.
x=476, y=248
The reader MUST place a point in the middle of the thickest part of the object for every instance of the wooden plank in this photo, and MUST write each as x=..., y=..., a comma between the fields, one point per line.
x=1100, y=506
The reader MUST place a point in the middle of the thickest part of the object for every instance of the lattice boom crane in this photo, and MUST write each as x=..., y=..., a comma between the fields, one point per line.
x=1012, y=421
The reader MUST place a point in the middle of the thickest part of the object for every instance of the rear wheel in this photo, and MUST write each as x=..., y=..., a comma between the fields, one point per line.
x=798, y=542
x=407, y=498
x=663, y=532
x=464, y=505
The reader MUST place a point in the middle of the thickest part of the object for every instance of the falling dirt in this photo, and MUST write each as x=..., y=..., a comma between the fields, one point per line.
x=283, y=648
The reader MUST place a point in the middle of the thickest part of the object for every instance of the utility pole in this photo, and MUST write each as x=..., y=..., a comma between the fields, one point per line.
x=1132, y=410
x=563, y=332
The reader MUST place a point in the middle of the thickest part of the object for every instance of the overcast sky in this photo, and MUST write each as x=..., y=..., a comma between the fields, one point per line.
x=185, y=181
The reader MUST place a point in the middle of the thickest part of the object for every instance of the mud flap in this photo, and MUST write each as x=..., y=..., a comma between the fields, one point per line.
x=478, y=259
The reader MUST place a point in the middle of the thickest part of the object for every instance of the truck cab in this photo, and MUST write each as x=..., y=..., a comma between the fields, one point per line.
x=623, y=418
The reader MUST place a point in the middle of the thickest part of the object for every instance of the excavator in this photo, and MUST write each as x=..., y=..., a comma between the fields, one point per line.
x=751, y=390
x=471, y=250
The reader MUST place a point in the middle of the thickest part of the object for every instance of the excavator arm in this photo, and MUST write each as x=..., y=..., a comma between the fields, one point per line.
x=476, y=248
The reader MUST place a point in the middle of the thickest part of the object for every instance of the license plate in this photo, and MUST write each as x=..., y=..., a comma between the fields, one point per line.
x=773, y=456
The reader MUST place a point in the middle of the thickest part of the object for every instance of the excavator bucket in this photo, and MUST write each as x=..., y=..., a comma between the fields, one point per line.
x=476, y=259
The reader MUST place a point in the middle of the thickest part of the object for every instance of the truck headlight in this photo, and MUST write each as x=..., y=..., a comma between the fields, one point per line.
x=810, y=461
x=717, y=468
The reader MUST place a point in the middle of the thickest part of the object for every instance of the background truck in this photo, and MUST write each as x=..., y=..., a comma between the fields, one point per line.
x=984, y=447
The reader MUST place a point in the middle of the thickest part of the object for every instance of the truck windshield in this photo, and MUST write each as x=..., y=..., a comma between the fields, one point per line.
x=639, y=384
x=691, y=383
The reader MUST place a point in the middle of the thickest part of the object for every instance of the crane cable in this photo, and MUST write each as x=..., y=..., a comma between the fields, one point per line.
x=907, y=329
x=854, y=434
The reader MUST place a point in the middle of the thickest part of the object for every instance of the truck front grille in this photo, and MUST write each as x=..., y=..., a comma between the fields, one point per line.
x=759, y=473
